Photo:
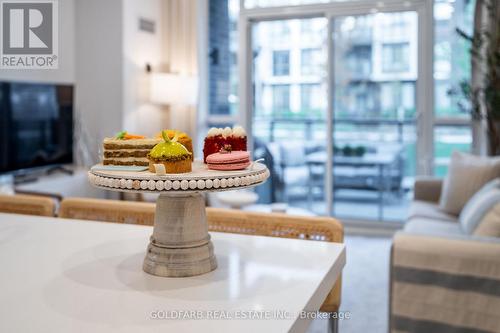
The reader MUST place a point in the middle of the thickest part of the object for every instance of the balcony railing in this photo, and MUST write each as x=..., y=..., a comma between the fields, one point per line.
x=308, y=124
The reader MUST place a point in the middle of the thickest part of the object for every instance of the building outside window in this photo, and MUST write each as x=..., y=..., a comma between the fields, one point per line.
x=310, y=61
x=395, y=57
x=281, y=63
x=312, y=102
x=279, y=31
x=359, y=60
x=306, y=28
x=281, y=99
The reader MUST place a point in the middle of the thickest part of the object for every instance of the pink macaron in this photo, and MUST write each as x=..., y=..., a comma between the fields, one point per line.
x=225, y=161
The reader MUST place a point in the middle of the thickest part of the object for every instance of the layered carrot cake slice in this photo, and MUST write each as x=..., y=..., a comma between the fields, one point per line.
x=127, y=149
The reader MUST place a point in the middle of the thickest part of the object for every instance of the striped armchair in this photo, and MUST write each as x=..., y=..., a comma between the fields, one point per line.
x=442, y=280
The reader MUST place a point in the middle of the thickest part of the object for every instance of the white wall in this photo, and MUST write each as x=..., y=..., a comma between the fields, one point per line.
x=139, y=49
x=66, y=71
x=99, y=74
x=112, y=84
x=180, y=50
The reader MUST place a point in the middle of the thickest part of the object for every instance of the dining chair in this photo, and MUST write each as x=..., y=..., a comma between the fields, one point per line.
x=130, y=212
x=27, y=204
x=315, y=228
x=222, y=220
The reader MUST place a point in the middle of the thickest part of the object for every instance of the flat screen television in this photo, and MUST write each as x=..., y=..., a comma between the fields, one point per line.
x=36, y=125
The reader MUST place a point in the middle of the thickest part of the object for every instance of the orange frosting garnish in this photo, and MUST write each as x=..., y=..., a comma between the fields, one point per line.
x=171, y=134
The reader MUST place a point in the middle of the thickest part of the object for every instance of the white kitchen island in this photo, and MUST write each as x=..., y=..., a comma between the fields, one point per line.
x=60, y=275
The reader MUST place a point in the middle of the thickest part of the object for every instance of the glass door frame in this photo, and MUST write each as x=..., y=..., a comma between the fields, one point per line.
x=331, y=11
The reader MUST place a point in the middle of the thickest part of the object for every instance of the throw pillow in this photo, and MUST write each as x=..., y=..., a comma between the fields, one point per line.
x=466, y=175
x=479, y=206
x=490, y=224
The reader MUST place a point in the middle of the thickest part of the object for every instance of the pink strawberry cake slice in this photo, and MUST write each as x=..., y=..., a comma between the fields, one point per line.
x=226, y=161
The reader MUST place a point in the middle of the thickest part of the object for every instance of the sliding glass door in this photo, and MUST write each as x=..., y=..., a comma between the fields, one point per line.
x=375, y=107
x=347, y=100
x=289, y=103
x=335, y=99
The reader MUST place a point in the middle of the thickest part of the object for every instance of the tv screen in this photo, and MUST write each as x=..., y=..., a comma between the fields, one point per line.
x=36, y=125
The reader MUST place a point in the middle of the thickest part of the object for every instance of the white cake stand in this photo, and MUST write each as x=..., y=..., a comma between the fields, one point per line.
x=180, y=245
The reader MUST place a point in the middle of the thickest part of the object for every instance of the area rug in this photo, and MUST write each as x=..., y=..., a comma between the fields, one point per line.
x=365, y=287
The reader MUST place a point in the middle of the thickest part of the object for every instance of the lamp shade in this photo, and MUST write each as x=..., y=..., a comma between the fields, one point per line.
x=173, y=89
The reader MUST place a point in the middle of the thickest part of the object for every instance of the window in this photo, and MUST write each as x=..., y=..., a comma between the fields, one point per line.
x=222, y=61
x=280, y=31
x=452, y=65
x=397, y=99
x=395, y=57
x=359, y=61
x=281, y=63
x=451, y=55
x=446, y=140
x=276, y=3
x=374, y=57
x=442, y=56
x=306, y=28
x=311, y=33
x=311, y=100
x=443, y=103
x=311, y=61
x=396, y=26
x=281, y=99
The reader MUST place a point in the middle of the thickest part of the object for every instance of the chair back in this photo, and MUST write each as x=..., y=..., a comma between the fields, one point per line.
x=117, y=211
x=27, y=204
x=281, y=225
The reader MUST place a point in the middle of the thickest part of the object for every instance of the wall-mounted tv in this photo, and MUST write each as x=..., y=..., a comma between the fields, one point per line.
x=36, y=125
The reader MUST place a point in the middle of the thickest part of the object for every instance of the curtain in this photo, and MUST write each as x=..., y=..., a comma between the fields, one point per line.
x=180, y=40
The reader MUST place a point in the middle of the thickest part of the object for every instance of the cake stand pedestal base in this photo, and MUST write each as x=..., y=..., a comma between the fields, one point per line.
x=180, y=245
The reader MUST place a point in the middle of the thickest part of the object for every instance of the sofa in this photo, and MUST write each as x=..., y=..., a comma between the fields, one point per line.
x=443, y=278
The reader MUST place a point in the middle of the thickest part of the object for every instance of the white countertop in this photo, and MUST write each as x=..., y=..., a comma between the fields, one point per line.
x=60, y=275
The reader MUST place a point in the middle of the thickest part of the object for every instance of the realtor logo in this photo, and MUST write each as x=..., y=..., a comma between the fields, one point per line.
x=29, y=34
